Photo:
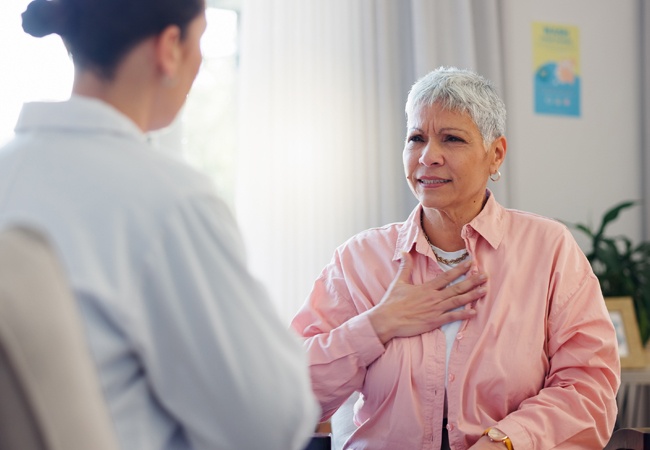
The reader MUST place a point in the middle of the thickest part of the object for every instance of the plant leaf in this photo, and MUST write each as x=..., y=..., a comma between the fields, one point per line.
x=612, y=214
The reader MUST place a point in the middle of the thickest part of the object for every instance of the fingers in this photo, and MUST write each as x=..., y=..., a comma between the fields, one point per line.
x=460, y=314
x=462, y=295
x=449, y=276
x=408, y=310
x=471, y=282
x=452, y=296
x=405, y=268
x=442, y=282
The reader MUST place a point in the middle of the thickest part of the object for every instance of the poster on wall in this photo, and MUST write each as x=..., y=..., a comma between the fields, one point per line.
x=556, y=60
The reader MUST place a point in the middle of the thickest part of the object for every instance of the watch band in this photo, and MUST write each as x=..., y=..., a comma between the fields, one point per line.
x=499, y=436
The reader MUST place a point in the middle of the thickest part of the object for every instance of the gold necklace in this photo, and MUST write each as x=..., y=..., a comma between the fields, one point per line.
x=440, y=259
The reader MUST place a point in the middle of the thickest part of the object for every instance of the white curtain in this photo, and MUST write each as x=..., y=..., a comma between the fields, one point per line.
x=323, y=86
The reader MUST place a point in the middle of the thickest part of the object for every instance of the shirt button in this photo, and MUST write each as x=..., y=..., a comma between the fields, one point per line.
x=450, y=426
x=452, y=377
x=459, y=336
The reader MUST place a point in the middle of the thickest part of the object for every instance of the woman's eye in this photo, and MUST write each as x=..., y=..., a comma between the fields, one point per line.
x=415, y=138
x=451, y=138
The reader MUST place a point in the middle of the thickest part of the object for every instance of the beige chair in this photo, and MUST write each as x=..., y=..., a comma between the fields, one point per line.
x=50, y=397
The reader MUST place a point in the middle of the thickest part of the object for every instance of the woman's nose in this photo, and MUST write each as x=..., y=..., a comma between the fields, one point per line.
x=431, y=155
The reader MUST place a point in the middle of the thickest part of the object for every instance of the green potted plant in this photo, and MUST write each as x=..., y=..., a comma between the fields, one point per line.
x=622, y=268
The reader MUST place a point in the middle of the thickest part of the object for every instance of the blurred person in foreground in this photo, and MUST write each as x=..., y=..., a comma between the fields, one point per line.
x=469, y=325
x=190, y=353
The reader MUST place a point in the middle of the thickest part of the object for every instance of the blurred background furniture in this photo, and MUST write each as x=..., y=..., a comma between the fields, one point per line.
x=320, y=441
x=630, y=439
x=633, y=399
x=49, y=391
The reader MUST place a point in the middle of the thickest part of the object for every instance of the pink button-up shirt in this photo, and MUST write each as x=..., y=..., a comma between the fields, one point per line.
x=539, y=360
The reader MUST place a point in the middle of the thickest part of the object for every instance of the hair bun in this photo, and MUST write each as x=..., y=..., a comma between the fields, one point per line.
x=43, y=17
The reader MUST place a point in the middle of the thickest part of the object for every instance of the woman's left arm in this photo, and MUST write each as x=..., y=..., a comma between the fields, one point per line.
x=576, y=408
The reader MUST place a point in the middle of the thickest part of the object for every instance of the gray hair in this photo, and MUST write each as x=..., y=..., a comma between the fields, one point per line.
x=464, y=91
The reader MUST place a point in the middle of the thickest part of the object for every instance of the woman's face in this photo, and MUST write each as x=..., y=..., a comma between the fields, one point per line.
x=445, y=161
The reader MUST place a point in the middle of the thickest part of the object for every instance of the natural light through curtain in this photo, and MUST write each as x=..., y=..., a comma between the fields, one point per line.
x=204, y=134
x=32, y=69
x=323, y=87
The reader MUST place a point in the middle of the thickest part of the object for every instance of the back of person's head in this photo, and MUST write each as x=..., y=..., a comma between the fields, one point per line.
x=98, y=33
x=464, y=91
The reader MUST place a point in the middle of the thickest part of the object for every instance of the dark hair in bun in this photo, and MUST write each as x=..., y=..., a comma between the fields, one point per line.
x=98, y=33
x=44, y=17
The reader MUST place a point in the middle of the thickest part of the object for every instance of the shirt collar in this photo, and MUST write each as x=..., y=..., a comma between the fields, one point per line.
x=77, y=114
x=489, y=223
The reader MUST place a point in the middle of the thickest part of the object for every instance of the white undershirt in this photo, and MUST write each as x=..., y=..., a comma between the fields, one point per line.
x=450, y=329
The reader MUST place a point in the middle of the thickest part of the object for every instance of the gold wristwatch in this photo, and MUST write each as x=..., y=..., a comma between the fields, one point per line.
x=497, y=435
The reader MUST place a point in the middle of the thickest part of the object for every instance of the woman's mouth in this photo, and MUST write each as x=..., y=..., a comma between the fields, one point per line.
x=433, y=182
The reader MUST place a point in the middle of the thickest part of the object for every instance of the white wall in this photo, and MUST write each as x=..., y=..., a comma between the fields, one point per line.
x=574, y=168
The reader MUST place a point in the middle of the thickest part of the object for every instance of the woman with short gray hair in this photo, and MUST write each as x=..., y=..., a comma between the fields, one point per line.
x=468, y=325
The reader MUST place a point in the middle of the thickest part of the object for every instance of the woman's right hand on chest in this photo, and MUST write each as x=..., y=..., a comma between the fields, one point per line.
x=409, y=310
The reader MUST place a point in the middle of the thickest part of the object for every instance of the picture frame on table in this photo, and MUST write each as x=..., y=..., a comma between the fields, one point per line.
x=621, y=311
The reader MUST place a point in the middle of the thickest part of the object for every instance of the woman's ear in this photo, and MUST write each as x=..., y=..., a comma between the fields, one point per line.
x=500, y=147
x=169, y=53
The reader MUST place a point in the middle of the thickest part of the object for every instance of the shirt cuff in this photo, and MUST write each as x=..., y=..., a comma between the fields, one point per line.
x=517, y=434
x=368, y=345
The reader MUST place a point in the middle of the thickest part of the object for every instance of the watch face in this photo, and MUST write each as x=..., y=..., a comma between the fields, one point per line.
x=497, y=435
